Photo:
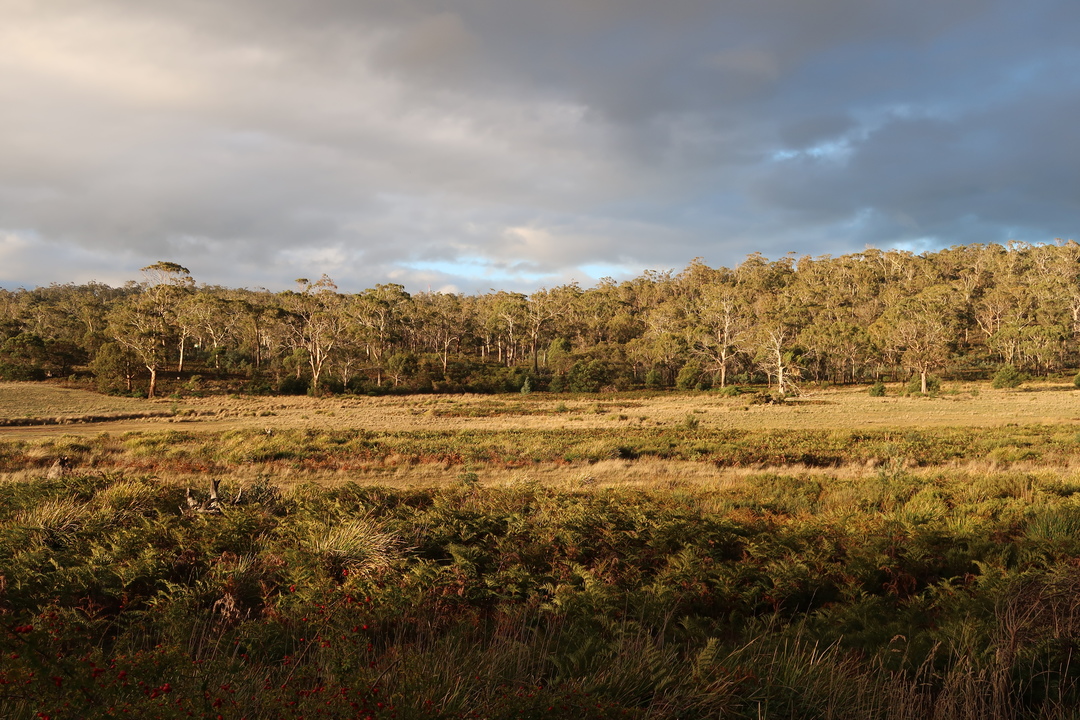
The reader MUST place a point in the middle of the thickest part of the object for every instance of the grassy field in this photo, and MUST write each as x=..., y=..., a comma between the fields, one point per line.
x=532, y=556
x=602, y=440
x=961, y=405
x=40, y=400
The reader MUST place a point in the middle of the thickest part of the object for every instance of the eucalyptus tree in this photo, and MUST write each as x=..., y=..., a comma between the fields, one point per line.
x=10, y=308
x=839, y=298
x=380, y=313
x=1003, y=314
x=1054, y=280
x=138, y=325
x=349, y=361
x=503, y=318
x=842, y=347
x=52, y=312
x=1065, y=269
x=213, y=318
x=167, y=284
x=89, y=304
x=542, y=309
x=444, y=320
x=664, y=344
x=316, y=322
x=603, y=314
x=720, y=323
x=768, y=288
x=145, y=321
x=919, y=331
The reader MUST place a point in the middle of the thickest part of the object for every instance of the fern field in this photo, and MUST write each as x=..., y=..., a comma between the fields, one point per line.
x=788, y=596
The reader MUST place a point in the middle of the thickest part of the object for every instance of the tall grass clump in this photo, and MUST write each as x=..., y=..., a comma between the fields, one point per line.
x=352, y=546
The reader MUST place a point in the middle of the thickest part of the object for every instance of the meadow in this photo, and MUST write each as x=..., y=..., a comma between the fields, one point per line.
x=637, y=555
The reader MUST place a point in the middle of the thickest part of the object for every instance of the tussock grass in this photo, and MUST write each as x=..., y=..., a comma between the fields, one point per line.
x=369, y=453
x=50, y=521
x=356, y=546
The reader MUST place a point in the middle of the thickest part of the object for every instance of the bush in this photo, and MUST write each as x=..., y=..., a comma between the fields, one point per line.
x=914, y=386
x=878, y=389
x=688, y=376
x=114, y=368
x=28, y=356
x=587, y=377
x=1076, y=381
x=1008, y=377
x=292, y=385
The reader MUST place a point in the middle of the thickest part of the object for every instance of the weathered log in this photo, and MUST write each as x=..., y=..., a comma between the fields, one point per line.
x=213, y=504
x=60, y=467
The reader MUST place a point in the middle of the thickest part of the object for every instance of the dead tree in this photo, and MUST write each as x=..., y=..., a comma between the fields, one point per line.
x=213, y=504
x=60, y=468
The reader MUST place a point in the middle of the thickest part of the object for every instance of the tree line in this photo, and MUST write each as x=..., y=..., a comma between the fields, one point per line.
x=965, y=311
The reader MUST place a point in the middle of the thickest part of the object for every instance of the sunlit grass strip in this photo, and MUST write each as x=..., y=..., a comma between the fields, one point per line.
x=350, y=448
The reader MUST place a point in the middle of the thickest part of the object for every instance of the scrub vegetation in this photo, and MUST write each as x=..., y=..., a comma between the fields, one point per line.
x=647, y=555
x=896, y=595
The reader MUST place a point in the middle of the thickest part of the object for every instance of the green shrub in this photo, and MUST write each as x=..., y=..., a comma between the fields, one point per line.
x=292, y=385
x=114, y=368
x=587, y=377
x=877, y=389
x=764, y=397
x=914, y=386
x=688, y=376
x=1008, y=377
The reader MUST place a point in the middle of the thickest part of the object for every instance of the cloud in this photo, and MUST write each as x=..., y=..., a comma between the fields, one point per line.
x=457, y=144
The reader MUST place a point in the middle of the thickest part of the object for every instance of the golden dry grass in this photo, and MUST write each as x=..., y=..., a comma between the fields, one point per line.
x=968, y=405
x=961, y=405
x=46, y=400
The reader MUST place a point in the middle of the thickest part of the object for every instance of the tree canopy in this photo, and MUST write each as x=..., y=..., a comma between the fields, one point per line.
x=965, y=311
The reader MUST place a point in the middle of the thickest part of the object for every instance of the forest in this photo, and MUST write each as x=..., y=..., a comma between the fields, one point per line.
x=964, y=312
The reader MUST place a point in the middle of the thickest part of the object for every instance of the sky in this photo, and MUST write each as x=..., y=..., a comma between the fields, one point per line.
x=465, y=145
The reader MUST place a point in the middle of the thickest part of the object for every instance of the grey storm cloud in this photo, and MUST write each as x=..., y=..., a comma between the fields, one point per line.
x=467, y=144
